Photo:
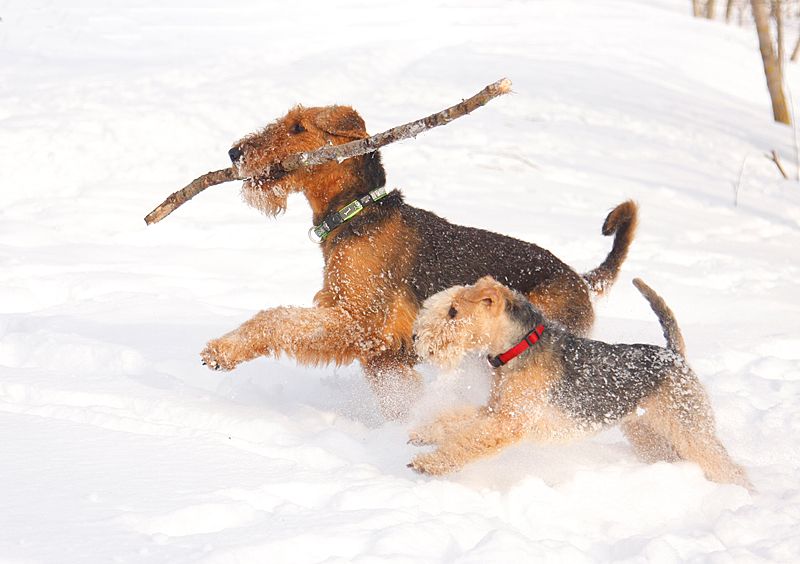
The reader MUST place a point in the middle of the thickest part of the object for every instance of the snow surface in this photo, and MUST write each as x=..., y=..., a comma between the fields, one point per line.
x=117, y=445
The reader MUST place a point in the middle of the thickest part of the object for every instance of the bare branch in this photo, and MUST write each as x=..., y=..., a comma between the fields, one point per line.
x=774, y=158
x=412, y=129
x=795, y=51
x=177, y=199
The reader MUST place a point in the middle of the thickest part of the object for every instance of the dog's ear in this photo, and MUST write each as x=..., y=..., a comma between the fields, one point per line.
x=341, y=121
x=487, y=291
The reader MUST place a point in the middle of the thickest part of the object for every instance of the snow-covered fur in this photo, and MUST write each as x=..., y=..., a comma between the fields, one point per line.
x=381, y=264
x=564, y=386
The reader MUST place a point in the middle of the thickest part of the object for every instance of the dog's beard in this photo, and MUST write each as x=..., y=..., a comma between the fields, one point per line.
x=444, y=347
x=448, y=356
x=269, y=198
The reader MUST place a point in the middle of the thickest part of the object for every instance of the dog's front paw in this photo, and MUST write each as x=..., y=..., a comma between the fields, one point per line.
x=433, y=463
x=219, y=354
x=422, y=436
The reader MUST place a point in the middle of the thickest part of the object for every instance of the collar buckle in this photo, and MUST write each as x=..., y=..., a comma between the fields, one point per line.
x=315, y=235
x=319, y=233
x=495, y=361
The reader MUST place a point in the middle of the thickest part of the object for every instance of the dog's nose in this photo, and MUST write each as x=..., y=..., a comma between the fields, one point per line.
x=235, y=154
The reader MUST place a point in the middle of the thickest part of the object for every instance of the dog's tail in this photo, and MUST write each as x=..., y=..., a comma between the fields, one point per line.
x=672, y=332
x=622, y=221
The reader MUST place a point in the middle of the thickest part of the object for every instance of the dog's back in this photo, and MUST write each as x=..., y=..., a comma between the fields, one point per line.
x=455, y=255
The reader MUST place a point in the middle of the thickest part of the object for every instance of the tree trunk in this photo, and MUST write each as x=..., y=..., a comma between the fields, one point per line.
x=697, y=9
x=729, y=10
x=710, y=9
x=777, y=13
x=772, y=65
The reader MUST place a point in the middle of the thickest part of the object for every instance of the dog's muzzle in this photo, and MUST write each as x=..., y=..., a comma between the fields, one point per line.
x=235, y=153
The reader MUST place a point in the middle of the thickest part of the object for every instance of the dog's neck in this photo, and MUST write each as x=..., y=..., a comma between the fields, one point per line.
x=361, y=175
x=320, y=231
x=521, y=346
x=526, y=324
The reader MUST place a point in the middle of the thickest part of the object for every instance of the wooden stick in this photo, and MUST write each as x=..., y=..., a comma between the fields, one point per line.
x=335, y=152
x=412, y=129
x=177, y=199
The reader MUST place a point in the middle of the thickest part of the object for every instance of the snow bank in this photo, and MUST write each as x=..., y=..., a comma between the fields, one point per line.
x=118, y=446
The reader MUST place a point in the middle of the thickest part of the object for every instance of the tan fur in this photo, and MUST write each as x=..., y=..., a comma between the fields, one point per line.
x=625, y=218
x=366, y=307
x=674, y=422
x=321, y=184
x=672, y=333
x=649, y=445
x=362, y=312
x=567, y=300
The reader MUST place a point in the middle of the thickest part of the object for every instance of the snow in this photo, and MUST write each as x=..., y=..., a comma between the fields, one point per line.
x=117, y=445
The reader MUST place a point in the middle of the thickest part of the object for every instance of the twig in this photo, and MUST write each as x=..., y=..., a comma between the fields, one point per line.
x=774, y=158
x=795, y=51
x=336, y=152
x=739, y=181
x=177, y=199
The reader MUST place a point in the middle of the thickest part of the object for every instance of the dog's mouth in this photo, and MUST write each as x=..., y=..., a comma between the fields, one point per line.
x=431, y=350
x=265, y=192
x=272, y=174
x=444, y=356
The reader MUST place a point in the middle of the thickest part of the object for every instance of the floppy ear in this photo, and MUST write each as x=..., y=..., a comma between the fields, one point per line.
x=341, y=121
x=486, y=291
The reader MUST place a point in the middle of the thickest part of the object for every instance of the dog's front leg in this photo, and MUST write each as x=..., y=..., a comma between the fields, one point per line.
x=443, y=426
x=317, y=335
x=484, y=435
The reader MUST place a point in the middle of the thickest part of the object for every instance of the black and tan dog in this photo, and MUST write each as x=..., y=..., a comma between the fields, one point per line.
x=383, y=257
x=551, y=385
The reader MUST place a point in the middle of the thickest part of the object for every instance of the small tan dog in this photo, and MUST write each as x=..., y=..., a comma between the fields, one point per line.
x=565, y=386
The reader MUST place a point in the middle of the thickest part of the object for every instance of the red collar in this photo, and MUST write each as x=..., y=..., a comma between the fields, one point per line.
x=527, y=342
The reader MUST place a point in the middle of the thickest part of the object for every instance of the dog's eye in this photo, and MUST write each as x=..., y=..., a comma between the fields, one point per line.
x=298, y=128
x=452, y=312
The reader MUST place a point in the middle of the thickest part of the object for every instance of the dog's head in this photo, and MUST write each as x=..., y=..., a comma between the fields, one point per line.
x=486, y=316
x=267, y=186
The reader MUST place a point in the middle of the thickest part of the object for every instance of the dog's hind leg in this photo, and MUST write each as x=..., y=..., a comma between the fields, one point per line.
x=703, y=447
x=681, y=413
x=317, y=335
x=566, y=300
x=648, y=445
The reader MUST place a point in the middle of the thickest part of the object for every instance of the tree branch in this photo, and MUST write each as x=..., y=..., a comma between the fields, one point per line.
x=774, y=158
x=177, y=199
x=335, y=152
x=412, y=129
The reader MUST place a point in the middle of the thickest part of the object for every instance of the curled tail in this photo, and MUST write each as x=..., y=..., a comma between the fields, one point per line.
x=621, y=221
x=672, y=332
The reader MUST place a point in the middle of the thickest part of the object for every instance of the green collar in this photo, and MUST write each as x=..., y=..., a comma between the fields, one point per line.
x=318, y=233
